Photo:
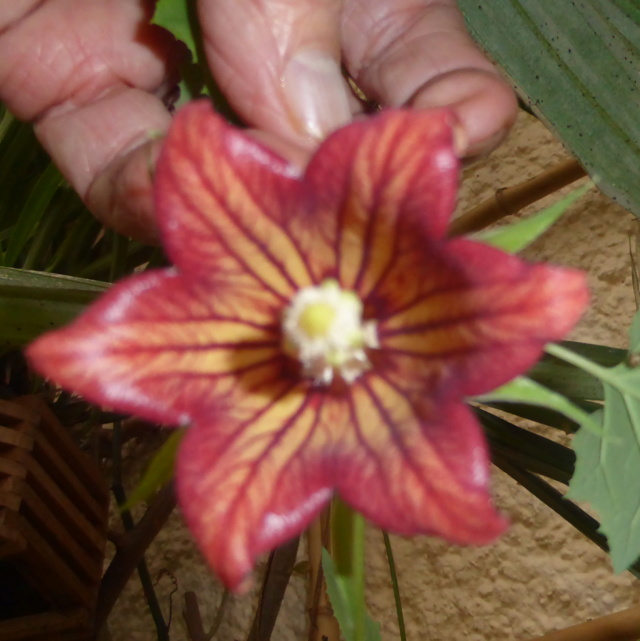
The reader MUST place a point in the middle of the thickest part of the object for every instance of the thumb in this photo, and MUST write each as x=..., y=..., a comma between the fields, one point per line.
x=278, y=63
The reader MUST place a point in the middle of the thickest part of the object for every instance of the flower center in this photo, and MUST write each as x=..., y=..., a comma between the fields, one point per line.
x=324, y=330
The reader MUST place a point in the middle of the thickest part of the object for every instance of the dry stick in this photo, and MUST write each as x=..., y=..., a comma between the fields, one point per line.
x=276, y=579
x=323, y=625
x=510, y=200
x=162, y=626
x=135, y=544
x=192, y=617
x=621, y=626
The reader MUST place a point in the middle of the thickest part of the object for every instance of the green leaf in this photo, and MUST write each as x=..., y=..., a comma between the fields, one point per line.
x=34, y=302
x=158, y=472
x=174, y=16
x=607, y=476
x=180, y=18
x=516, y=236
x=608, y=466
x=524, y=390
x=576, y=64
x=340, y=591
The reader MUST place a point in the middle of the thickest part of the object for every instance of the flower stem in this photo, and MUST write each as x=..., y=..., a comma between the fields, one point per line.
x=347, y=532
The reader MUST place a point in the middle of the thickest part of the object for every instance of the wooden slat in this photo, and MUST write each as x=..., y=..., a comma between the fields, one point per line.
x=12, y=413
x=10, y=467
x=41, y=518
x=12, y=543
x=90, y=535
x=24, y=443
x=21, y=435
x=50, y=626
x=48, y=572
x=61, y=440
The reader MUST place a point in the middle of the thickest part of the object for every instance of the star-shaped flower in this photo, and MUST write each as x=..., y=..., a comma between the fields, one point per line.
x=317, y=334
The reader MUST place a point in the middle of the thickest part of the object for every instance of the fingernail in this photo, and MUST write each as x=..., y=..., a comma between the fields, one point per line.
x=460, y=141
x=316, y=93
x=486, y=146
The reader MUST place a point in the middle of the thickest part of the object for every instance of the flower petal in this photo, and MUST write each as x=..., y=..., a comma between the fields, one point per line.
x=162, y=348
x=221, y=200
x=475, y=318
x=364, y=179
x=255, y=479
x=417, y=467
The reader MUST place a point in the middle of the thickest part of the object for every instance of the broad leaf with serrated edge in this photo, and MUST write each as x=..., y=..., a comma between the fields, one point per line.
x=607, y=471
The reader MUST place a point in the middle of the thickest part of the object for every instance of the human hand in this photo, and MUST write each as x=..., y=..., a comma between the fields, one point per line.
x=95, y=79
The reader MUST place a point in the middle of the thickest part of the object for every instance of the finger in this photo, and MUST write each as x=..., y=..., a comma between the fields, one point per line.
x=94, y=85
x=418, y=53
x=278, y=63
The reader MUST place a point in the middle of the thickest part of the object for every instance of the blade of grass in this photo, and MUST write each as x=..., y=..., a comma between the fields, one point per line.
x=395, y=585
x=32, y=213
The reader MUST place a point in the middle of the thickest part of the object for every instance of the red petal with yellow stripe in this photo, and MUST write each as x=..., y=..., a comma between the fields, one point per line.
x=201, y=343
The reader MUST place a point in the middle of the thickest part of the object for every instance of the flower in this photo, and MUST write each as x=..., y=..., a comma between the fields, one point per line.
x=318, y=334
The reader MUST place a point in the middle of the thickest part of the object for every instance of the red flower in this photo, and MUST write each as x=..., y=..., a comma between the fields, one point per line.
x=318, y=334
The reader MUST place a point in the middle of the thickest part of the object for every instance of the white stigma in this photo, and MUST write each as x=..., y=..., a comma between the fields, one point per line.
x=323, y=328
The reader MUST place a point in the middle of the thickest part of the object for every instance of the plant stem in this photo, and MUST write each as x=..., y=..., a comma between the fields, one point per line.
x=347, y=533
x=603, y=374
x=395, y=585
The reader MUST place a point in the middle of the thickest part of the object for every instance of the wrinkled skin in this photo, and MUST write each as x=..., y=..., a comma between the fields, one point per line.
x=94, y=78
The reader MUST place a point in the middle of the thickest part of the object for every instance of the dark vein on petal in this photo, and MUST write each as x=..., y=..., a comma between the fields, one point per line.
x=460, y=288
x=298, y=451
x=189, y=347
x=372, y=220
x=443, y=355
x=256, y=463
x=230, y=439
x=420, y=423
x=404, y=450
x=195, y=210
x=373, y=453
x=398, y=229
x=236, y=221
x=472, y=317
x=213, y=376
x=342, y=207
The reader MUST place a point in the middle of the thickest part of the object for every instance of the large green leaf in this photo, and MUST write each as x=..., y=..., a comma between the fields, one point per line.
x=607, y=476
x=578, y=66
x=34, y=302
x=608, y=466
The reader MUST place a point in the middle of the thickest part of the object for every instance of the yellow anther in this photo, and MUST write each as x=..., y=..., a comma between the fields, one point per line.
x=323, y=328
x=316, y=319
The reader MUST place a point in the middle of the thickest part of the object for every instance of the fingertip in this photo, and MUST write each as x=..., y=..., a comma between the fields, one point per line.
x=484, y=103
x=121, y=197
